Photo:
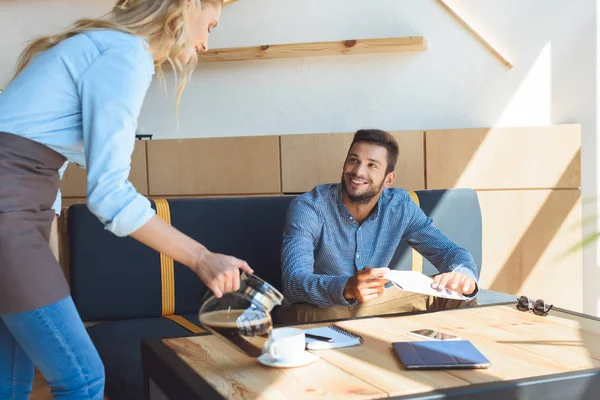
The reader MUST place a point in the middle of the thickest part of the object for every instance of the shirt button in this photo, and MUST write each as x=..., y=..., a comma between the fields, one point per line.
x=358, y=256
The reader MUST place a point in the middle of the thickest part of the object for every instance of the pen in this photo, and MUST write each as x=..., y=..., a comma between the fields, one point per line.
x=397, y=285
x=317, y=337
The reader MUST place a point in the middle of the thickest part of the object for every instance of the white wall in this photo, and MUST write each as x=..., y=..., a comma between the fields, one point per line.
x=23, y=20
x=457, y=83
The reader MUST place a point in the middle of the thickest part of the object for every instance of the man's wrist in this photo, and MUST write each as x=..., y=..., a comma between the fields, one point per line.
x=335, y=289
x=348, y=290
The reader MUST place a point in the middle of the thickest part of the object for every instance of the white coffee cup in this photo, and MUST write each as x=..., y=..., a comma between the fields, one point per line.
x=287, y=344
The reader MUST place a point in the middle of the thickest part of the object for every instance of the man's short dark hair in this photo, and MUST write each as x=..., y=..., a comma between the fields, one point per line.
x=379, y=138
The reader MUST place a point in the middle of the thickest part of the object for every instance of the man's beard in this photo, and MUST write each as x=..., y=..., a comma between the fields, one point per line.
x=364, y=198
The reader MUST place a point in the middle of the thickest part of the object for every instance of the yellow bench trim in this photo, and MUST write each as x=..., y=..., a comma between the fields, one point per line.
x=167, y=277
x=417, y=258
x=167, y=269
x=185, y=323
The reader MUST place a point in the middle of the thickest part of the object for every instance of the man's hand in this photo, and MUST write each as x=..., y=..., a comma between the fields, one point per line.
x=366, y=285
x=456, y=281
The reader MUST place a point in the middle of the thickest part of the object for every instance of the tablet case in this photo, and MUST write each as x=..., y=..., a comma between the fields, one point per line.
x=440, y=354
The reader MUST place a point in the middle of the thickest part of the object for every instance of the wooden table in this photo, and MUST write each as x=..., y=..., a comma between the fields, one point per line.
x=553, y=357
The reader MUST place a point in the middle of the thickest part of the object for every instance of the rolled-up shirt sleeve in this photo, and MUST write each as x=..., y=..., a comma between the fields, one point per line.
x=112, y=91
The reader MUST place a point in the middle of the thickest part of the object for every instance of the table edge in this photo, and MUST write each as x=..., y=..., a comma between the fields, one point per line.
x=490, y=389
x=173, y=375
x=177, y=376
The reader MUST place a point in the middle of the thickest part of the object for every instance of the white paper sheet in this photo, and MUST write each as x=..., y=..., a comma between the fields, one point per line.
x=416, y=282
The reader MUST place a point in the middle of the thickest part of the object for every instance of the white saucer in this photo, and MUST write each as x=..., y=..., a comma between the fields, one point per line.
x=267, y=360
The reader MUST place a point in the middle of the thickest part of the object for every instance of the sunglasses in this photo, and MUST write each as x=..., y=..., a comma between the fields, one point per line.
x=538, y=306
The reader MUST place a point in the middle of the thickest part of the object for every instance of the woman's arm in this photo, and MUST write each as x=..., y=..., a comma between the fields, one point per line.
x=112, y=91
x=217, y=271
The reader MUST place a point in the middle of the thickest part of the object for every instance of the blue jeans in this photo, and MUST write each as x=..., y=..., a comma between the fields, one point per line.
x=55, y=340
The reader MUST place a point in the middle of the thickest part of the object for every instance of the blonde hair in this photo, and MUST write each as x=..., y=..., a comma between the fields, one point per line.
x=152, y=20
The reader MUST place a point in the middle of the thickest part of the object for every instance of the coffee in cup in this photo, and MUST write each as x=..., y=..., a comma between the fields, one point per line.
x=248, y=330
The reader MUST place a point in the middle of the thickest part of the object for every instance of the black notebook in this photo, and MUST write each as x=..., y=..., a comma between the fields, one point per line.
x=440, y=354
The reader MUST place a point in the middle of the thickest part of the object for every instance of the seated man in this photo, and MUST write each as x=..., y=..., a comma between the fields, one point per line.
x=338, y=236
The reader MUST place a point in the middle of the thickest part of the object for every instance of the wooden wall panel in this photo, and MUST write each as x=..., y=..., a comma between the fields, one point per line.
x=241, y=165
x=504, y=158
x=527, y=235
x=69, y=201
x=310, y=160
x=53, y=240
x=139, y=167
x=74, y=180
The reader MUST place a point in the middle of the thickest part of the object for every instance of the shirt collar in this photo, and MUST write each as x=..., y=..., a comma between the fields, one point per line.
x=344, y=211
x=340, y=203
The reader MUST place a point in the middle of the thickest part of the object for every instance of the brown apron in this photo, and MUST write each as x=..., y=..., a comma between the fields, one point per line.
x=30, y=276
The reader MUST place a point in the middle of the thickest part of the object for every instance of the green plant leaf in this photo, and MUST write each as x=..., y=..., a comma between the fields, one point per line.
x=585, y=242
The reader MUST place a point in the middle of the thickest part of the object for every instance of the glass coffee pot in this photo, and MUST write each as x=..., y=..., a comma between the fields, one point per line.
x=243, y=318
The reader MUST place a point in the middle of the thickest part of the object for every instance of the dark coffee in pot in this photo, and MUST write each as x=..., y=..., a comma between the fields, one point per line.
x=248, y=330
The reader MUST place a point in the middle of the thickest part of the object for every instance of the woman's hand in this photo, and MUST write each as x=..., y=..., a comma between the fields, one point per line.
x=220, y=273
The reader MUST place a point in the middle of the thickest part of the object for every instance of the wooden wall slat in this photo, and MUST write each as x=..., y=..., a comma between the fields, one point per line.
x=527, y=235
x=73, y=183
x=310, y=160
x=295, y=50
x=504, y=158
x=240, y=165
x=69, y=201
x=139, y=170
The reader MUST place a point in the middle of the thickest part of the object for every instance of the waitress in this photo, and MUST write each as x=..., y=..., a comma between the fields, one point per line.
x=76, y=98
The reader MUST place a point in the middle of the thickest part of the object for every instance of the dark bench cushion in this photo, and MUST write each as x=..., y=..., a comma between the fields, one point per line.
x=119, y=345
x=116, y=278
